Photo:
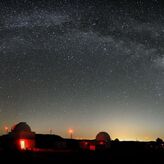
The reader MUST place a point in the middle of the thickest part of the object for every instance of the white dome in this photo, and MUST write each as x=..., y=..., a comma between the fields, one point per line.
x=22, y=126
x=103, y=136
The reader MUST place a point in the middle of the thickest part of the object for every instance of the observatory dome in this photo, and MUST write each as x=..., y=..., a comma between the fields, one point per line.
x=21, y=127
x=103, y=136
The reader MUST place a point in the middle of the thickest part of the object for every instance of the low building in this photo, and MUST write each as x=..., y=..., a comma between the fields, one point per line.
x=87, y=145
x=103, y=141
x=21, y=137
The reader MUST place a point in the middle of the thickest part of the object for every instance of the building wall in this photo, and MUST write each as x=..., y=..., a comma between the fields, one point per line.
x=25, y=144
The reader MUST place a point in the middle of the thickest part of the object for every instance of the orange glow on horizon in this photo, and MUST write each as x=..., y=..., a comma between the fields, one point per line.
x=130, y=134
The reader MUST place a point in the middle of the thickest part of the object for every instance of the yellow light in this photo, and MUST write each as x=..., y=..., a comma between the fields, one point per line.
x=22, y=145
x=70, y=131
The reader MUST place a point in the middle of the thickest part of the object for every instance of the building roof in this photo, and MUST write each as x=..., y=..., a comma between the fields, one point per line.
x=103, y=136
x=21, y=127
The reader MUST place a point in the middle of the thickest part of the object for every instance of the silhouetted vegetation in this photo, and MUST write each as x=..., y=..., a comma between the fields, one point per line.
x=159, y=140
x=116, y=140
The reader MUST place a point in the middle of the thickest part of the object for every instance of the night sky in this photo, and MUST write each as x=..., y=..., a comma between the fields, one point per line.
x=90, y=66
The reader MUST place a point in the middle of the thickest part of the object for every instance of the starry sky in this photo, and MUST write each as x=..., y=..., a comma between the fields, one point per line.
x=91, y=66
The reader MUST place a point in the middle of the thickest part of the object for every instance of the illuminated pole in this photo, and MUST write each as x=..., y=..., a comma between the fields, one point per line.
x=6, y=129
x=70, y=132
x=50, y=131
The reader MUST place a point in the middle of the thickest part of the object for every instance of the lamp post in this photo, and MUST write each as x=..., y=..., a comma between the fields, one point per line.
x=70, y=131
x=50, y=130
x=6, y=129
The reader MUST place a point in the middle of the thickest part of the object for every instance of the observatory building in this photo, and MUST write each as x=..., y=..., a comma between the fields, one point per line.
x=103, y=140
x=22, y=137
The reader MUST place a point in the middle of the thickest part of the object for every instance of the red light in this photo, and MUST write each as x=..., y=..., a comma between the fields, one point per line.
x=101, y=143
x=22, y=144
x=92, y=147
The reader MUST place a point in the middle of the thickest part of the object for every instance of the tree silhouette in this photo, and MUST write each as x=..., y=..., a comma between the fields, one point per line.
x=116, y=140
x=159, y=140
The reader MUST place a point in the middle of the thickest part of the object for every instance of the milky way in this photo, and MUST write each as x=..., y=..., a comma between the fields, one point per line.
x=86, y=65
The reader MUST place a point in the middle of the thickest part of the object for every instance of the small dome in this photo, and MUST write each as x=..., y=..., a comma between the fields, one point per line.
x=22, y=126
x=103, y=136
